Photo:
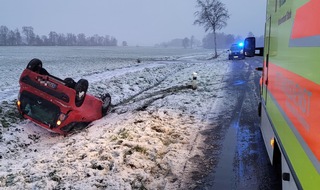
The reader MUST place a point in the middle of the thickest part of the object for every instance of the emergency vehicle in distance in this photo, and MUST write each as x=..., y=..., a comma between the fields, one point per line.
x=61, y=106
x=290, y=91
x=236, y=51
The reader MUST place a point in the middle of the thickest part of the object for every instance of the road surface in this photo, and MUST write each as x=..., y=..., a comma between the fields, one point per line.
x=234, y=156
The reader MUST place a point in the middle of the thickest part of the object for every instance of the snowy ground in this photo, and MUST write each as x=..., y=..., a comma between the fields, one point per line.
x=144, y=143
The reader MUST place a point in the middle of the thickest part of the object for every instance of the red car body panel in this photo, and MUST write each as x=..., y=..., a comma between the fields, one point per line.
x=53, y=90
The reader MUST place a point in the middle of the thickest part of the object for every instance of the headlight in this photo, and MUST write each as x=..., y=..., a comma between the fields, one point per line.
x=61, y=118
x=18, y=101
x=58, y=122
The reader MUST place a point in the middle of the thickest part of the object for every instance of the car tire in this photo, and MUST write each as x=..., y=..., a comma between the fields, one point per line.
x=35, y=65
x=81, y=89
x=106, y=104
x=69, y=82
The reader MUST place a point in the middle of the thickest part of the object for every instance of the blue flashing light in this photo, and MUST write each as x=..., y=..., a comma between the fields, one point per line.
x=240, y=44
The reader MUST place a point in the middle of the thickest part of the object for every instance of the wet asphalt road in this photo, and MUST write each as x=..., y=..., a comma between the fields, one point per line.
x=234, y=152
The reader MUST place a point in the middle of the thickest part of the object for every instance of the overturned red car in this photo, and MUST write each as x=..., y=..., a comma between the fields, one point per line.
x=60, y=106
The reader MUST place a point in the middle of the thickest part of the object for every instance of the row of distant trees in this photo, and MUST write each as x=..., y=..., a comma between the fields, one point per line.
x=224, y=41
x=181, y=42
x=27, y=37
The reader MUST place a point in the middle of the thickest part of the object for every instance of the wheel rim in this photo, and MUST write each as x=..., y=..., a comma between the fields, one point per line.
x=106, y=102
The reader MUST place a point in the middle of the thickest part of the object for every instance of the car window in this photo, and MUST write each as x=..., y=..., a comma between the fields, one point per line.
x=235, y=47
x=39, y=108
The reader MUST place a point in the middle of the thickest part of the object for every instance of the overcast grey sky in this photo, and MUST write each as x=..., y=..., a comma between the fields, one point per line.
x=139, y=22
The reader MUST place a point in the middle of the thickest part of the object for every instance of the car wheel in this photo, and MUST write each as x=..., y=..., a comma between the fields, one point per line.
x=35, y=65
x=106, y=104
x=81, y=89
x=69, y=82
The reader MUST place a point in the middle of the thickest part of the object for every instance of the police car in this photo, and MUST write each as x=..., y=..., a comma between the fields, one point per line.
x=236, y=51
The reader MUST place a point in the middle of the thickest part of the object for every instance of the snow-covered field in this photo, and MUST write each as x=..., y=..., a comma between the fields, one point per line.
x=144, y=143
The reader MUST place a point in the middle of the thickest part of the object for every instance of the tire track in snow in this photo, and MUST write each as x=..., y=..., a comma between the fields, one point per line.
x=165, y=91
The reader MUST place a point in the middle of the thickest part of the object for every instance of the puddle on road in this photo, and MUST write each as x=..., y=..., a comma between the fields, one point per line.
x=224, y=175
x=239, y=82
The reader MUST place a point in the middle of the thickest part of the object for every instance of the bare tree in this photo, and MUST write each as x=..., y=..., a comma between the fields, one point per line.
x=28, y=32
x=45, y=40
x=191, y=42
x=71, y=39
x=213, y=16
x=3, y=35
x=185, y=42
x=18, y=37
x=11, y=38
x=81, y=39
x=53, y=38
x=38, y=41
x=124, y=43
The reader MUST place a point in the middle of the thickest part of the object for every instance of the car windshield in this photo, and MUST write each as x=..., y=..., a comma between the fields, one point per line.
x=39, y=108
x=235, y=47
